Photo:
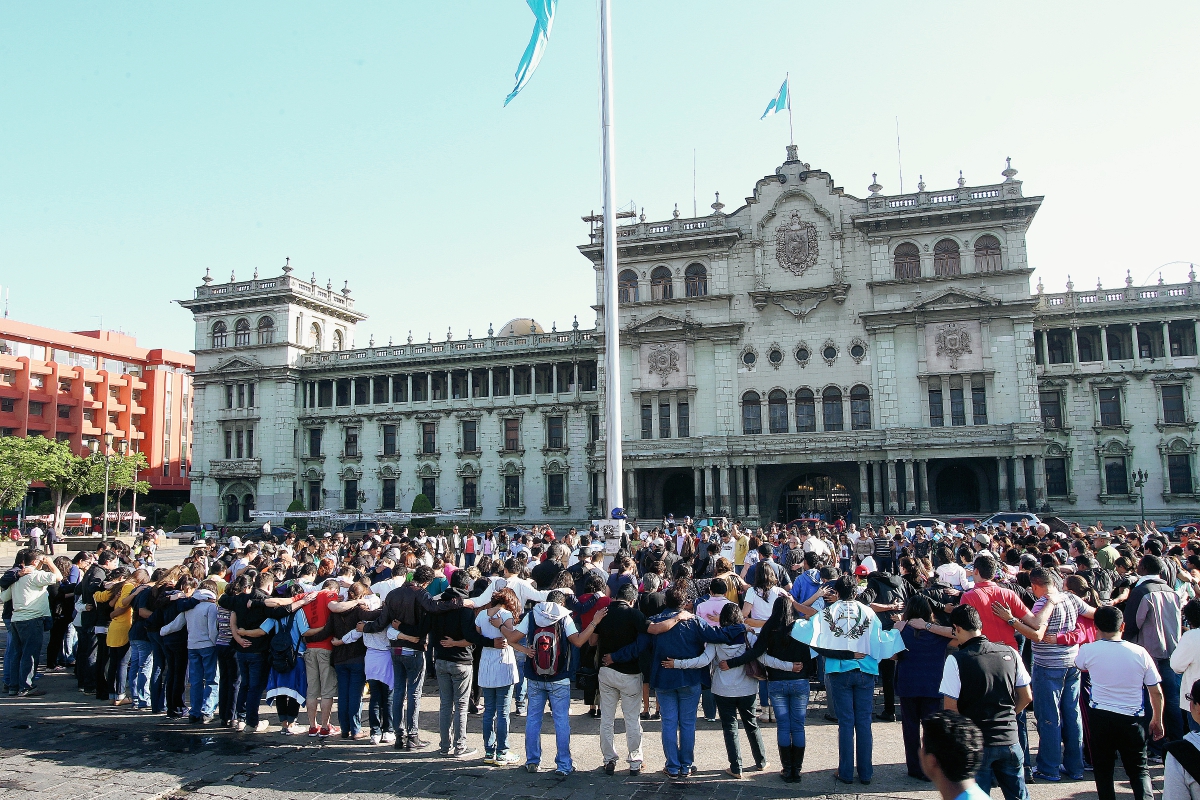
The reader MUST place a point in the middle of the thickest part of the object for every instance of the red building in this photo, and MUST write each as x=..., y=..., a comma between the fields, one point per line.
x=75, y=387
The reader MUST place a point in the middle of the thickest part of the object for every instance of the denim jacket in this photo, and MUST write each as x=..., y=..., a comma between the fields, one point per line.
x=685, y=640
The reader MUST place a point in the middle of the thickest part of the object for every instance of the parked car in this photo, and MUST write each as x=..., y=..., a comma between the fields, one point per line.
x=278, y=534
x=927, y=523
x=190, y=534
x=968, y=523
x=361, y=527
x=1011, y=517
x=802, y=522
x=1174, y=529
x=511, y=531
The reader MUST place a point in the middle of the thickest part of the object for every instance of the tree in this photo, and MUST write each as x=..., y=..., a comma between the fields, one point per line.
x=68, y=476
x=172, y=520
x=421, y=507
x=123, y=474
x=22, y=461
x=189, y=515
x=296, y=524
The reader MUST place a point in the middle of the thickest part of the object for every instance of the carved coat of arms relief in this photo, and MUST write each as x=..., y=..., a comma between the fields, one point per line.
x=796, y=244
x=953, y=341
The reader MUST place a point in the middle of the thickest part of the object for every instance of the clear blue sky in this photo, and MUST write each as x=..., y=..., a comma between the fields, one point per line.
x=144, y=142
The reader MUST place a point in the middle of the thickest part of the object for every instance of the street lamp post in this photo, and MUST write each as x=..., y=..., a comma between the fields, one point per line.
x=1139, y=480
x=121, y=447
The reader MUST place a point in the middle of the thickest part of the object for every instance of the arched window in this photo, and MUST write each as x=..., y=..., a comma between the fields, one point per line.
x=945, y=258
x=338, y=341
x=987, y=253
x=266, y=330
x=908, y=262
x=627, y=287
x=660, y=284
x=831, y=408
x=241, y=333
x=860, y=408
x=231, y=509
x=806, y=411
x=247, y=507
x=220, y=335
x=777, y=415
x=314, y=336
x=751, y=413
x=695, y=279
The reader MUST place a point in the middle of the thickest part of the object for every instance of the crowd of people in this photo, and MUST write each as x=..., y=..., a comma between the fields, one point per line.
x=1093, y=630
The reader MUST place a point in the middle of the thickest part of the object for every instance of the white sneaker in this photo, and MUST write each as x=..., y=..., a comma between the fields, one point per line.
x=263, y=726
x=239, y=726
x=375, y=738
x=388, y=738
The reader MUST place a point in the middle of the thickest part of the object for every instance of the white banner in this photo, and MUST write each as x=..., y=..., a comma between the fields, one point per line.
x=609, y=531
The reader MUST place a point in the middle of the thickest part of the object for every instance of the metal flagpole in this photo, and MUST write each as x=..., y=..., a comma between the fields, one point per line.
x=787, y=78
x=613, y=475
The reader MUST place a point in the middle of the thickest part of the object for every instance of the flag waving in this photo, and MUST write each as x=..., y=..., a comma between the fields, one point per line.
x=543, y=11
x=779, y=103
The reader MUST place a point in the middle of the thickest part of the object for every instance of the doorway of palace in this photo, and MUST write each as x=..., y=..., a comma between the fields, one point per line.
x=957, y=490
x=813, y=493
x=679, y=495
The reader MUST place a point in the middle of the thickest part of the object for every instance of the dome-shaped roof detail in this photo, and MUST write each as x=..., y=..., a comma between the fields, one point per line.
x=520, y=327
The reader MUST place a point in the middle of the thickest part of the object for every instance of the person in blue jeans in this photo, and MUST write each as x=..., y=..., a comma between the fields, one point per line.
x=201, y=623
x=549, y=631
x=676, y=634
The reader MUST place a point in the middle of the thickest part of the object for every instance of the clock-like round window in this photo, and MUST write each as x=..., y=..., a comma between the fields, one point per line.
x=748, y=358
x=776, y=356
x=802, y=354
x=830, y=353
x=857, y=351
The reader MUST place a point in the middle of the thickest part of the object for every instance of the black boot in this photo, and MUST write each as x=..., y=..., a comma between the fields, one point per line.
x=785, y=761
x=797, y=762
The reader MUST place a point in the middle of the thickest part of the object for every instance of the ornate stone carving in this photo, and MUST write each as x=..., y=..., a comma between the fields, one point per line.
x=953, y=341
x=796, y=244
x=662, y=361
x=239, y=468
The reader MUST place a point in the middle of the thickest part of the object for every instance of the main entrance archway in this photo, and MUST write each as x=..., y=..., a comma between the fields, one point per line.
x=957, y=490
x=679, y=495
x=813, y=493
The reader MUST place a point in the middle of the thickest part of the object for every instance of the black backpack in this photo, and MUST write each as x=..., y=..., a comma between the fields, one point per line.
x=281, y=650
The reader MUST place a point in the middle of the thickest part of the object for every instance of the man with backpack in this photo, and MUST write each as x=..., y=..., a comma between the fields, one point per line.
x=549, y=631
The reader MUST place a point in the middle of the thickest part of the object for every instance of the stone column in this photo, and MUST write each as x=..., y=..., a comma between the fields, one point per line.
x=1045, y=348
x=752, y=500
x=892, y=506
x=710, y=502
x=409, y=377
x=470, y=384
x=533, y=381
x=1003, y=501
x=512, y=383
x=631, y=497
x=575, y=375
x=1039, y=482
x=491, y=382
x=864, y=492
x=428, y=387
x=1166, y=336
x=1019, y=480
x=1137, y=347
x=726, y=494
x=449, y=385
x=910, y=494
x=923, y=483
x=698, y=492
x=601, y=500
x=877, y=495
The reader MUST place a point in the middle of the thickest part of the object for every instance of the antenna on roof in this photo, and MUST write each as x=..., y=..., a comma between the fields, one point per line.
x=694, y=212
x=899, y=160
x=6, y=293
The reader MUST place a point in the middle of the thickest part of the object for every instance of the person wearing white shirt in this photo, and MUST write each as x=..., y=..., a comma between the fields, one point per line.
x=1119, y=670
x=30, y=597
x=1179, y=780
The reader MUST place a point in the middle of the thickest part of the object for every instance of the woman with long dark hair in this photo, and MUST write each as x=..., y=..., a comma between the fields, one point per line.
x=919, y=674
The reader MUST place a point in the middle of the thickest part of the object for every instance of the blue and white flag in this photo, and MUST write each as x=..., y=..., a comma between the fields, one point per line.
x=543, y=11
x=779, y=103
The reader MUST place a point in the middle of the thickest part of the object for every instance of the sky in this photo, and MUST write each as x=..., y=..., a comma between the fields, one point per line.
x=143, y=143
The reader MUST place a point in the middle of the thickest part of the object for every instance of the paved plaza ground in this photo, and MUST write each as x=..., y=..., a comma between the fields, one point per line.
x=66, y=745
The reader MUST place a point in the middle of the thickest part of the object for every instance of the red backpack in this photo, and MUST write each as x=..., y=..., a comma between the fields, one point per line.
x=548, y=649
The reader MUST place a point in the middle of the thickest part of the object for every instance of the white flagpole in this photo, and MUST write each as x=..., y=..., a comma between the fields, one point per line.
x=787, y=78
x=613, y=474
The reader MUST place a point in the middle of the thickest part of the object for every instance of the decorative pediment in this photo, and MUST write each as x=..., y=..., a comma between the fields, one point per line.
x=659, y=322
x=1171, y=377
x=954, y=298
x=351, y=472
x=237, y=364
x=313, y=474
x=468, y=469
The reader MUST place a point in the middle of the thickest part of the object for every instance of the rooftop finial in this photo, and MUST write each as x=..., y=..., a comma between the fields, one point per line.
x=1040, y=288
x=1099, y=285
x=410, y=336
x=329, y=284
x=287, y=265
x=675, y=213
x=793, y=153
x=1128, y=280
x=469, y=333
x=554, y=326
x=389, y=341
x=575, y=324
x=429, y=339
x=346, y=289
x=232, y=277
x=921, y=183
x=371, y=341
x=717, y=206
x=207, y=279
x=874, y=188
x=1070, y=284
x=256, y=273
x=961, y=181
x=1009, y=172
x=1160, y=279
x=532, y=326
x=1192, y=273
x=491, y=332
x=642, y=218
x=313, y=279
x=449, y=335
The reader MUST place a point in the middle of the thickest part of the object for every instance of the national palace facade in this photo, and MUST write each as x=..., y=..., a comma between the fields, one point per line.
x=810, y=351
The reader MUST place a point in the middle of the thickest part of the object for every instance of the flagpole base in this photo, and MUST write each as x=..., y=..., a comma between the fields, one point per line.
x=792, y=153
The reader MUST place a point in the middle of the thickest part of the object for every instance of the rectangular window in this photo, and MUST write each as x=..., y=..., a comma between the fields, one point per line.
x=185, y=456
x=523, y=380
x=554, y=490
x=512, y=491
x=35, y=408
x=64, y=412
x=229, y=395
x=594, y=494
x=1051, y=409
x=500, y=382
x=350, y=495
x=351, y=443
x=241, y=395
x=1179, y=472
x=1056, y=477
x=380, y=390
x=978, y=405
x=470, y=493
x=228, y=444
x=314, y=442
x=249, y=443
x=389, y=440
x=831, y=411
x=388, y=503
x=166, y=465
x=428, y=437
x=420, y=388
x=1116, y=480
x=594, y=428
x=314, y=495
x=937, y=417
x=362, y=391
x=958, y=413
x=1110, y=410
x=399, y=388
x=647, y=421
x=470, y=436
x=324, y=394
x=1173, y=411
x=250, y=395
x=438, y=386
x=429, y=489
x=343, y=391
x=8, y=405
x=554, y=433
x=664, y=420
x=512, y=434
x=240, y=439
x=681, y=420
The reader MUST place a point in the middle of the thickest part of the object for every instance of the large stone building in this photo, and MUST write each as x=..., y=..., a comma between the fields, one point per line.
x=808, y=352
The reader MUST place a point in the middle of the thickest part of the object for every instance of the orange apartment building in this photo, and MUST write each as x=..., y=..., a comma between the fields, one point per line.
x=75, y=387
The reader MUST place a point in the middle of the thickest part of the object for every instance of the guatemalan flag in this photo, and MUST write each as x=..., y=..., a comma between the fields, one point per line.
x=779, y=103
x=543, y=12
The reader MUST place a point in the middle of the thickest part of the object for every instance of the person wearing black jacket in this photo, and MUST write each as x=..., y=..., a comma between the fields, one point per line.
x=620, y=682
x=405, y=609
x=452, y=633
x=62, y=611
x=92, y=652
x=886, y=594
